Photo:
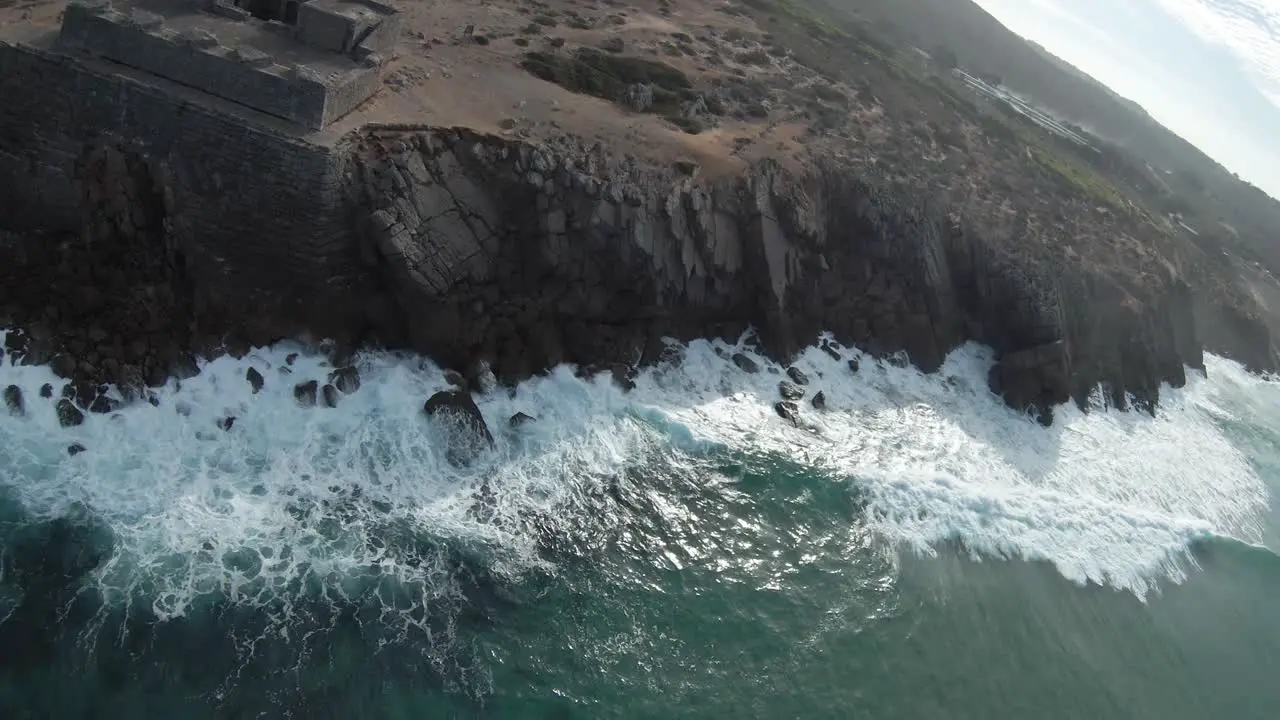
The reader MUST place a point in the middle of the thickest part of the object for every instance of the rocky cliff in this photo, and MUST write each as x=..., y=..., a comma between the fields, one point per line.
x=530, y=256
x=469, y=248
x=175, y=228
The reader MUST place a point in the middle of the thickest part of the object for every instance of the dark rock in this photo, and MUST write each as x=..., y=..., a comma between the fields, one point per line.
x=185, y=367
x=305, y=393
x=790, y=391
x=57, y=553
x=75, y=449
x=613, y=45
x=624, y=376
x=467, y=432
x=819, y=400
x=831, y=350
x=455, y=378
x=153, y=399
x=16, y=342
x=13, y=400
x=480, y=377
x=236, y=345
x=745, y=363
x=256, y=381
x=330, y=395
x=346, y=379
x=853, y=365
x=787, y=410
x=68, y=414
x=227, y=422
x=520, y=419
x=797, y=375
x=291, y=358
x=1035, y=378
x=63, y=365
x=46, y=390
x=638, y=97
x=103, y=404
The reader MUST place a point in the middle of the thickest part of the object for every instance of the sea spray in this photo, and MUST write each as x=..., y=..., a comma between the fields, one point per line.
x=293, y=499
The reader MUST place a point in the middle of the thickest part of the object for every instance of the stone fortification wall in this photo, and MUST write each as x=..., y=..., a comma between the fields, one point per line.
x=356, y=27
x=196, y=58
x=259, y=219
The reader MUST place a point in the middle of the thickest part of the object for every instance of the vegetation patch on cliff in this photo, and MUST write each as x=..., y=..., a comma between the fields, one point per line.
x=666, y=91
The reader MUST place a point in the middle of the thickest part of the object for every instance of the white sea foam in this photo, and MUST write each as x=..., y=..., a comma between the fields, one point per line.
x=1108, y=497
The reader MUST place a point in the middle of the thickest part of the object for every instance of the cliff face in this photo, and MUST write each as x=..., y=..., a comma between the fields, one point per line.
x=527, y=257
x=193, y=231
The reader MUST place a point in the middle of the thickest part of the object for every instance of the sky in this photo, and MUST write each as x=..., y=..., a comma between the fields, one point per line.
x=1207, y=69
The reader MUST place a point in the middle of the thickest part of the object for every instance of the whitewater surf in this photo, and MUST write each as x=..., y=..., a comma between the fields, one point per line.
x=295, y=531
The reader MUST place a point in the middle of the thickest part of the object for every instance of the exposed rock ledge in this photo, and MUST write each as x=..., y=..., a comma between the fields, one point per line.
x=482, y=248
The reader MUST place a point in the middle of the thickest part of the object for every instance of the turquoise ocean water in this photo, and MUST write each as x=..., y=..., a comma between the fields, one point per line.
x=915, y=551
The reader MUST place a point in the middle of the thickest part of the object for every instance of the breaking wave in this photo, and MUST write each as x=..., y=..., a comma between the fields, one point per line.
x=301, y=526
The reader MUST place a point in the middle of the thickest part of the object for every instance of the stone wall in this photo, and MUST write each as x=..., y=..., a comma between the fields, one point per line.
x=355, y=89
x=259, y=219
x=243, y=74
x=326, y=29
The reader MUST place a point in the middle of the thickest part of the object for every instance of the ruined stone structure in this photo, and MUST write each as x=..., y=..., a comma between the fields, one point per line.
x=310, y=63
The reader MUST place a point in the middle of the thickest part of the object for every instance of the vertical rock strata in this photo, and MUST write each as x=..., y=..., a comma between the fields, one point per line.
x=468, y=248
x=530, y=256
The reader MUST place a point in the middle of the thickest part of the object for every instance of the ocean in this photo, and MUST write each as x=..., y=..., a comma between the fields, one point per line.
x=916, y=550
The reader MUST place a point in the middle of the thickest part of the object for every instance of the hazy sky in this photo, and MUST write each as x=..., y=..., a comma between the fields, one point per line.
x=1207, y=69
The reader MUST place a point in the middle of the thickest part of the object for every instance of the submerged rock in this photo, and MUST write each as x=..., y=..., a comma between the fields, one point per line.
x=482, y=378
x=787, y=411
x=853, y=365
x=68, y=414
x=305, y=393
x=57, y=552
x=624, y=376
x=227, y=422
x=745, y=363
x=467, y=432
x=346, y=379
x=819, y=401
x=789, y=391
x=255, y=379
x=75, y=449
x=329, y=394
x=797, y=375
x=103, y=404
x=13, y=400
x=520, y=419
x=454, y=378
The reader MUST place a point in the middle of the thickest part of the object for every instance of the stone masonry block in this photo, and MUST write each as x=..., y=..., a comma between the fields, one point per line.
x=144, y=20
x=198, y=38
x=252, y=57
